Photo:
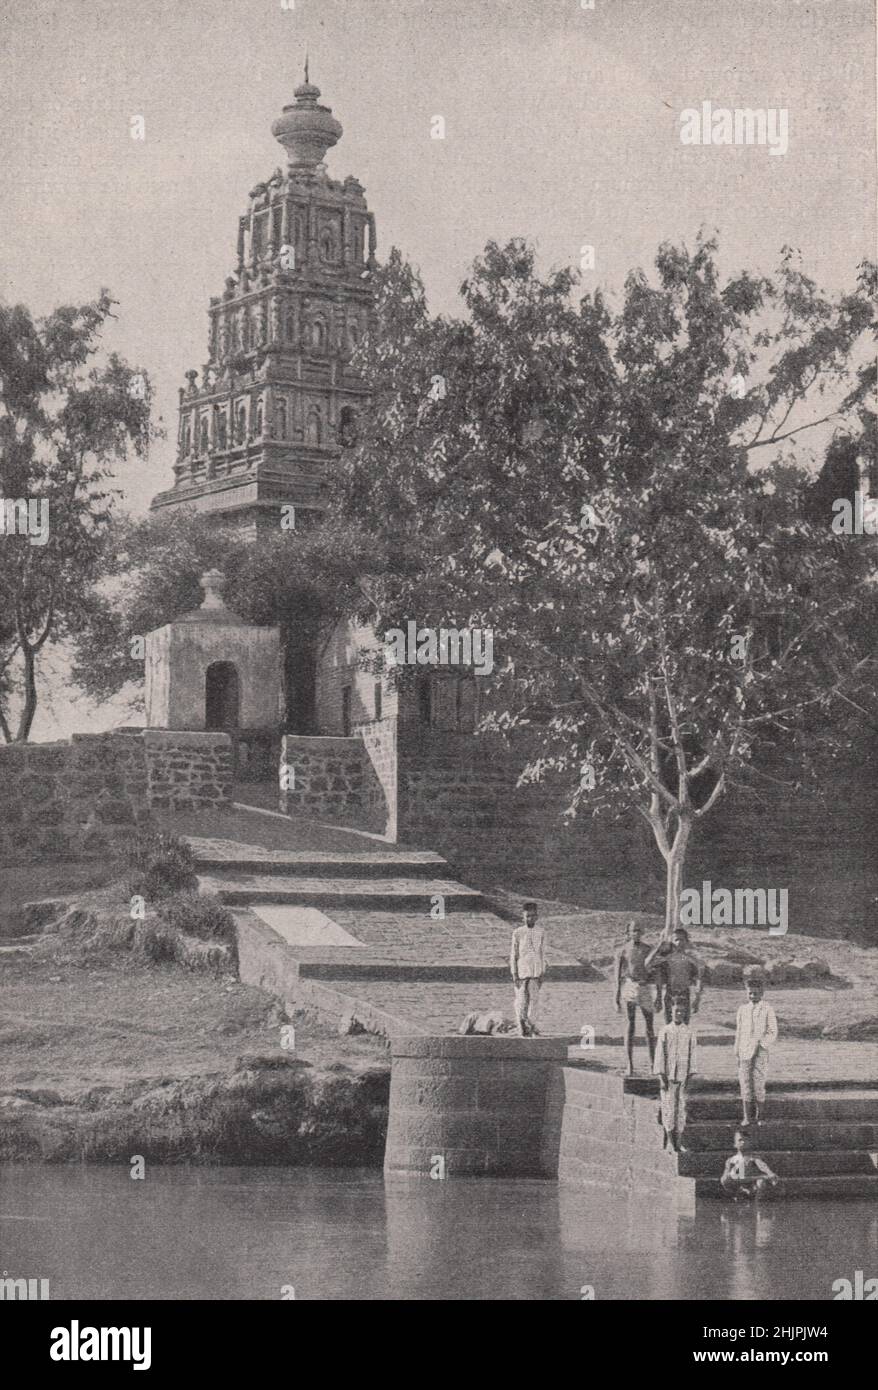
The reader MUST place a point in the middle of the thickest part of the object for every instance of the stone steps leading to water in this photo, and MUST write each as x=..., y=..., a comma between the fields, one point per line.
x=796, y=1105
x=602, y=1130
x=787, y=1134
x=842, y=1186
x=787, y=1163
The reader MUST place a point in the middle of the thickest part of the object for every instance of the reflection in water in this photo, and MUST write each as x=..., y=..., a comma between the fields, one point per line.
x=249, y=1233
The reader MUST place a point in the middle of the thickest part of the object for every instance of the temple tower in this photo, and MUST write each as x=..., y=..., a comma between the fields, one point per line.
x=277, y=397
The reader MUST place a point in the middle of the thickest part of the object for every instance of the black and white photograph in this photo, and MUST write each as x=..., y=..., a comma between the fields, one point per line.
x=438, y=665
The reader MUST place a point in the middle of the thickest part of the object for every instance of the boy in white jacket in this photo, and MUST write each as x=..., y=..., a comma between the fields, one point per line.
x=755, y=1034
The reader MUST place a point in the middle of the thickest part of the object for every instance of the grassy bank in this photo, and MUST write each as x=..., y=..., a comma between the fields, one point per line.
x=105, y=1053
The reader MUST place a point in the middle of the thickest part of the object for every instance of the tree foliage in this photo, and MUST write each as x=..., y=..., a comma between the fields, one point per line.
x=611, y=492
x=64, y=421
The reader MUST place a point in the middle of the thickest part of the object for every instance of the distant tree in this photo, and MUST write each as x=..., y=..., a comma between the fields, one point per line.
x=64, y=422
x=582, y=482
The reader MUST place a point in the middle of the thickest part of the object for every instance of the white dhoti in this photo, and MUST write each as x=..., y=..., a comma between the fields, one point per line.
x=673, y=1098
x=752, y=1076
x=527, y=998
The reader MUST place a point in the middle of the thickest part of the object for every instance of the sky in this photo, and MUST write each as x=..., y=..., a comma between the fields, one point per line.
x=562, y=124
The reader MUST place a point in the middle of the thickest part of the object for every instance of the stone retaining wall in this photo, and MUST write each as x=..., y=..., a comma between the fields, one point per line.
x=62, y=800
x=334, y=780
x=457, y=795
x=475, y=1103
x=71, y=800
x=598, y=1135
x=187, y=771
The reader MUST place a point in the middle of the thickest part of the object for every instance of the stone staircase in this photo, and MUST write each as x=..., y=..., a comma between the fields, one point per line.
x=601, y=1130
x=349, y=891
x=407, y=881
x=310, y=924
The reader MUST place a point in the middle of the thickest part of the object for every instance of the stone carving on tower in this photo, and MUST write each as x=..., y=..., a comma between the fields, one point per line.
x=277, y=396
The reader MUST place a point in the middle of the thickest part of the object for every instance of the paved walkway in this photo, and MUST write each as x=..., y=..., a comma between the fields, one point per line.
x=383, y=897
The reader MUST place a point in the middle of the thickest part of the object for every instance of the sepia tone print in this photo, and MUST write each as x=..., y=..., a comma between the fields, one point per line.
x=438, y=557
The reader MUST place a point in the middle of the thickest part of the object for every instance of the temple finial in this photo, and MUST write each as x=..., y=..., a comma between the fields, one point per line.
x=305, y=129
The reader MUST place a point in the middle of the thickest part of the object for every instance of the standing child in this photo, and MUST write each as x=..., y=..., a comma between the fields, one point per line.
x=755, y=1034
x=528, y=965
x=678, y=972
x=635, y=990
x=675, y=1065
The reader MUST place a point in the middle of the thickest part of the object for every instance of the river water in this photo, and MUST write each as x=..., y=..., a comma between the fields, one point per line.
x=262, y=1233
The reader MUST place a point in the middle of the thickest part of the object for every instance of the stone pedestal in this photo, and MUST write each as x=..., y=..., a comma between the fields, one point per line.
x=470, y=1105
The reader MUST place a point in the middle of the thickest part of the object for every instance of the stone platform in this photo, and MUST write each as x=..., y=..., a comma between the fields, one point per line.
x=509, y=1106
x=386, y=961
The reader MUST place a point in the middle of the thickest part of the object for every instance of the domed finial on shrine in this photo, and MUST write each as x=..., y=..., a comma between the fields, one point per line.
x=212, y=583
x=306, y=129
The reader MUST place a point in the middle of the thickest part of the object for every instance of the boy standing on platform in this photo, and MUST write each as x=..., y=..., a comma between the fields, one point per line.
x=755, y=1034
x=634, y=989
x=528, y=965
x=679, y=971
x=675, y=1065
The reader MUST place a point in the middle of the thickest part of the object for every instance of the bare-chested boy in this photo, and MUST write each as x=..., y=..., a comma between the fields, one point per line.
x=678, y=972
x=634, y=990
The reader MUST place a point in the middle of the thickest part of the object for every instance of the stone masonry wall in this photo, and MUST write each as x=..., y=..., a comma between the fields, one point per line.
x=69, y=800
x=186, y=771
x=475, y=1102
x=457, y=795
x=61, y=800
x=332, y=779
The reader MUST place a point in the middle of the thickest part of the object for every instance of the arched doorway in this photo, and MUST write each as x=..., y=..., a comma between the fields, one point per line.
x=221, y=696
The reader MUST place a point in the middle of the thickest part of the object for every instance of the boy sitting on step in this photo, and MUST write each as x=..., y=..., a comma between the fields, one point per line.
x=746, y=1175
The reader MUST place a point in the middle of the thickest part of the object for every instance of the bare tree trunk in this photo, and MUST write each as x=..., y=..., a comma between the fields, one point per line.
x=30, y=694
x=674, y=861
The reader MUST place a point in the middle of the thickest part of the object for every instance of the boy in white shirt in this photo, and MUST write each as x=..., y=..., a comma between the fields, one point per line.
x=527, y=962
x=675, y=1064
x=755, y=1034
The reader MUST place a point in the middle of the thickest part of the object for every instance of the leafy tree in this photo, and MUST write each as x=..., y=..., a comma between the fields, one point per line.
x=64, y=421
x=583, y=482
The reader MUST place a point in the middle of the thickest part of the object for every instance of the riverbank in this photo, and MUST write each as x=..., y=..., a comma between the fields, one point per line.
x=108, y=1049
x=106, y=1055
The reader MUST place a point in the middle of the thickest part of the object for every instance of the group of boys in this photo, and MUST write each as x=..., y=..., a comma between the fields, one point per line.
x=669, y=977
